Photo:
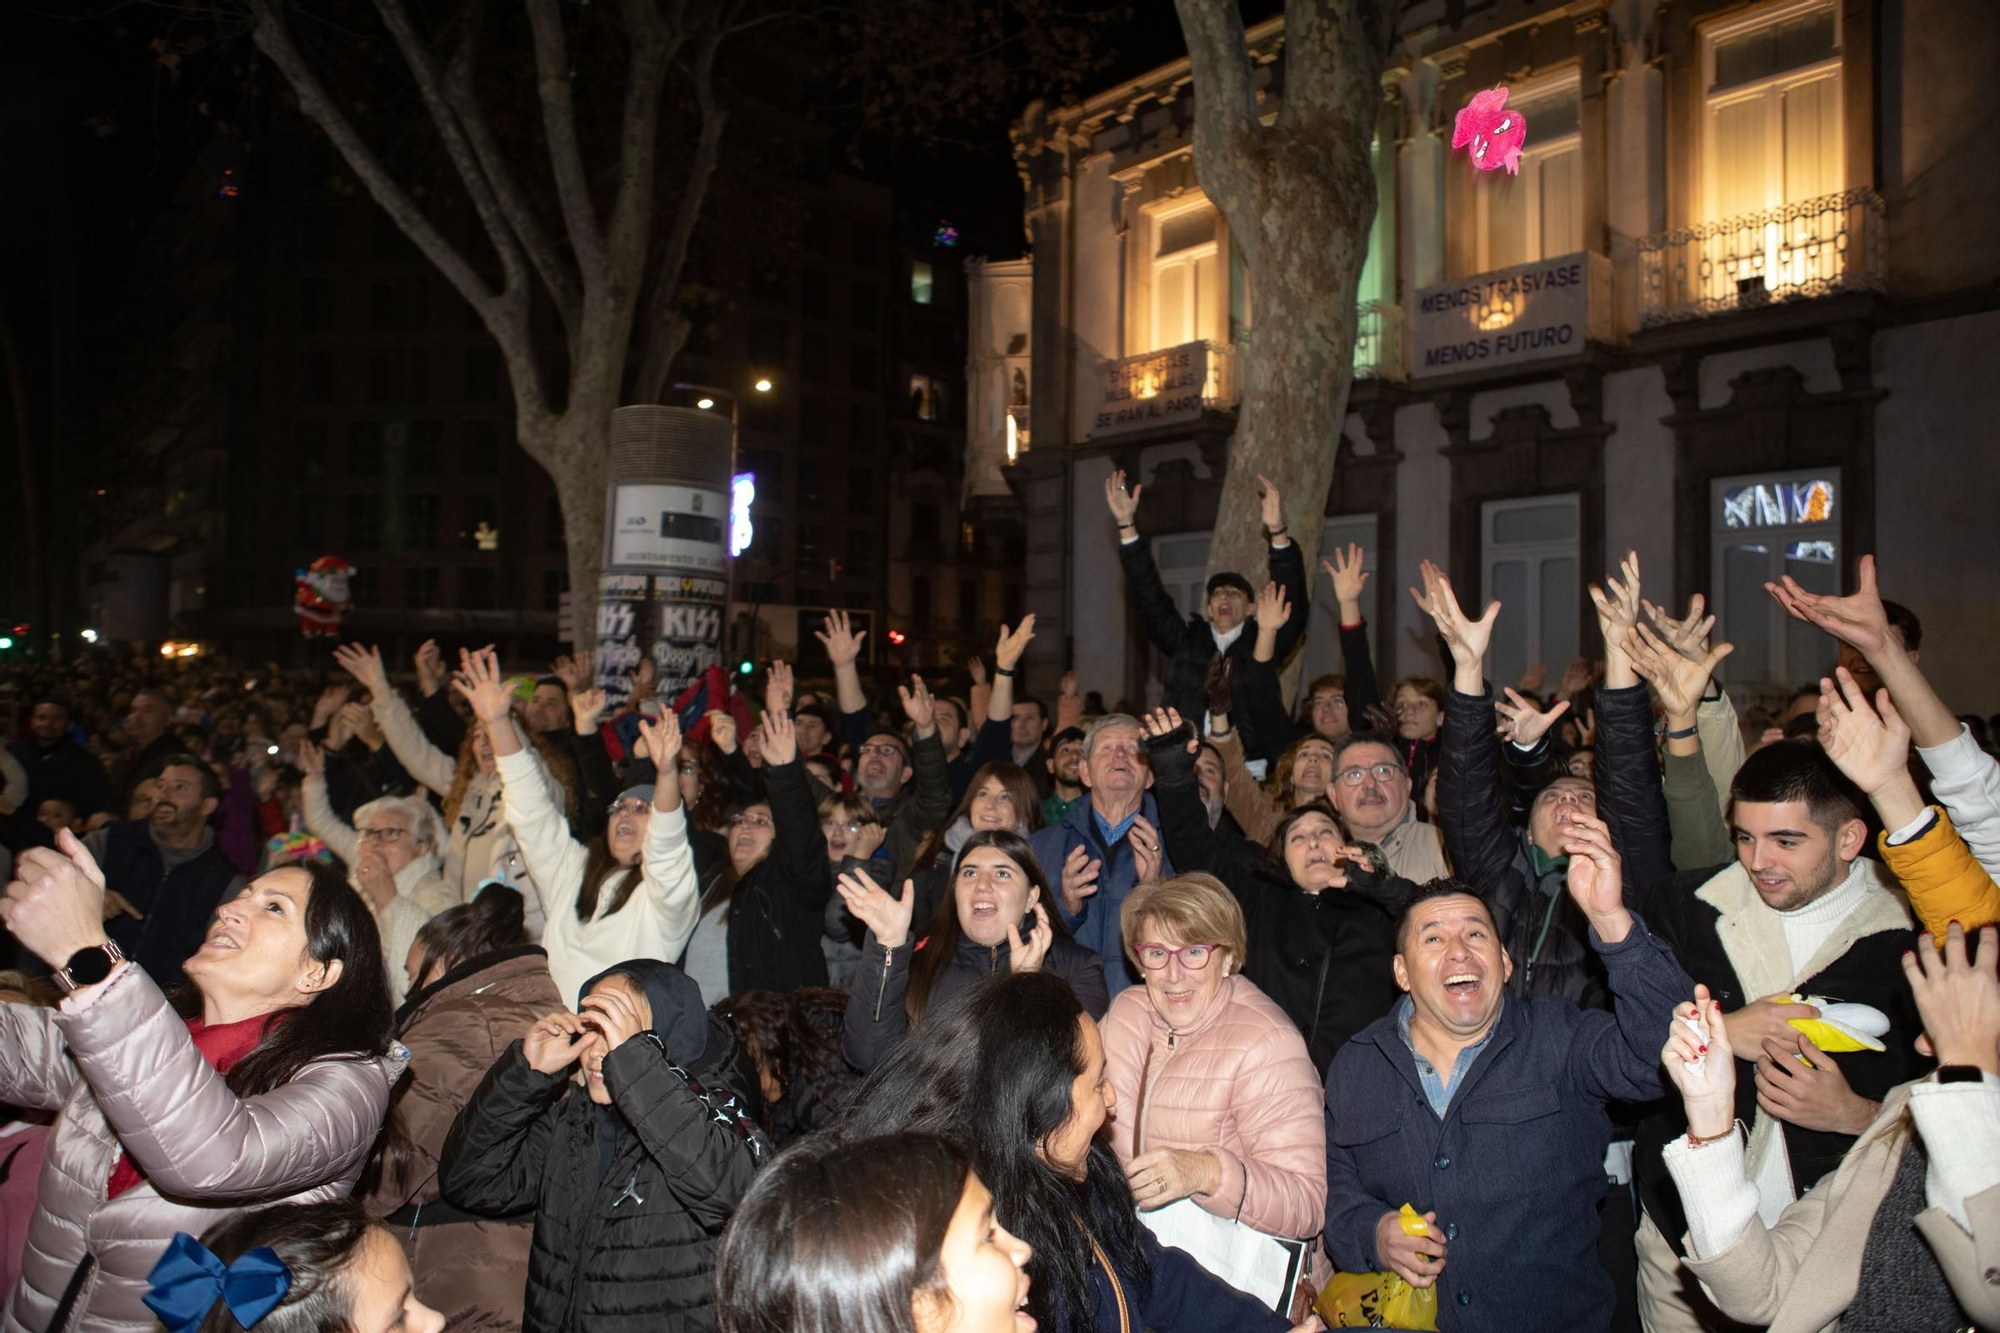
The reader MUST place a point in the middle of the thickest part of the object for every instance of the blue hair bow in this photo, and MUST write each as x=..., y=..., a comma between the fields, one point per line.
x=189, y=1279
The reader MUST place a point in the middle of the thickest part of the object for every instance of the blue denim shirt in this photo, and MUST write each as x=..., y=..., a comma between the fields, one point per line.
x=1436, y=1090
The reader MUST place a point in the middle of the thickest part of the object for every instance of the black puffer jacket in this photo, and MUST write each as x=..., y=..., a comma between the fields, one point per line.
x=630, y=1199
x=1324, y=957
x=876, y=1020
x=778, y=911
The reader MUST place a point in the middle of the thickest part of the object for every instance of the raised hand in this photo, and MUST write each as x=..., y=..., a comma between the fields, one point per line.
x=312, y=760
x=1218, y=687
x=331, y=700
x=778, y=692
x=645, y=680
x=1532, y=679
x=55, y=904
x=1165, y=722
x=888, y=918
x=842, y=644
x=1523, y=723
x=1959, y=1000
x=918, y=706
x=1349, y=578
x=1007, y=652
x=1576, y=678
x=1027, y=955
x=1679, y=681
x=1272, y=503
x=1709, y=1089
x=550, y=1046
x=480, y=684
x=431, y=673
x=1857, y=620
x=663, y=745
x=975, y=667
x=573, y=670
x=587, y=707
x=1274, y=608
x=359, y=722
x=1067, y=689
x=722, y=729
x=1079, y=878
x=779, y=742
x=613, y=1012
x=1596, y=874
x=1872, y=749
x=1466, y=638
x=1121, y=502
x=864, y=842
x=364, y=664
x=1687, y=636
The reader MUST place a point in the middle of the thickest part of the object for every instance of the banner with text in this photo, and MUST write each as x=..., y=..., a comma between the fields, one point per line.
x=1527, y=313
x=1155, y=389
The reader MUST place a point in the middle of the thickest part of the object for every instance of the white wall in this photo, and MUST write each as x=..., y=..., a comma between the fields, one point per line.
x=1937, y=488
x=1639, y=479
x=1423, y=532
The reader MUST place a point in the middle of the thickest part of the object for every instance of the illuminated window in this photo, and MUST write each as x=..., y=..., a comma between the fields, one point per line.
x=1760, y=529
x=1189, y=287
x=1528, y=562
x=923, y=285
x=1539, y=213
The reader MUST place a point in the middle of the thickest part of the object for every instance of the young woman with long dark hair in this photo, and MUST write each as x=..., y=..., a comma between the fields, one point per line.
x=793, y=1039
x=1012, y=1068
x=264, y=1081
x=996, y=919
x=883, y=1235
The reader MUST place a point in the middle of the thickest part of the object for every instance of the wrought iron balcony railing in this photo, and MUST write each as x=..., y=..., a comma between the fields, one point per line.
x=1381, y=347
x=1814, y=247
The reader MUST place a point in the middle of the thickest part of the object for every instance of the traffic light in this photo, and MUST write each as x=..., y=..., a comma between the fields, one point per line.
x=5, y=643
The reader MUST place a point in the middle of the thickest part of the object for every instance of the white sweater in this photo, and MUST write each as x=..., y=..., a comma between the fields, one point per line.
x=656, y=922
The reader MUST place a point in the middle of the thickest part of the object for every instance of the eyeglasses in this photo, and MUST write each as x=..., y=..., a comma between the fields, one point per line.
x=381, y=834
x=1329, y=701
x=851, y=825
x=635, y=806
x=1194, y=957
x=1351, y=777
x=749, y=821
x=884, y=751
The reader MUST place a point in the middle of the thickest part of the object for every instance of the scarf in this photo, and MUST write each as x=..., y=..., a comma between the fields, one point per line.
x=224, y=1047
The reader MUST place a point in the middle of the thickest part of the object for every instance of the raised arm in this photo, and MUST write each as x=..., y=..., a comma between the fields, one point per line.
x=671, y=881
x=843, y=649
x=1476, y=835
x=1626, y=768
x=1246, y=801
x=422, y=760
x=931, y=778
x=1163, y=623
x=875, y=1019
x=1350, y=578
x=798, y=846
x=322, y=821
x=555, y=858
x=1288, y=568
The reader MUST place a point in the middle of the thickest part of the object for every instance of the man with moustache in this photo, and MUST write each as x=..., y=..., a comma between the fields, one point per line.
x=1371, y=790
x=165, y=874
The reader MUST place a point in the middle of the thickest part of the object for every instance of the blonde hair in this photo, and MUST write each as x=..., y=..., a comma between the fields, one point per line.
x=1195, y=907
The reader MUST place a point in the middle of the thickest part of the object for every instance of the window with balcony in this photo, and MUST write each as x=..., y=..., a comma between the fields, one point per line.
x=1772, y=120
x=1762, y=527
x=1537, y=214
x=1190, y=287
x=1528, y=561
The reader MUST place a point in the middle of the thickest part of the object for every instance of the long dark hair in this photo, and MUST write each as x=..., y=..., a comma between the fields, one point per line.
x=944, y=931
x=318, y=1244
x=495, y=920
x=840, y=1237
x=349, y=1020
x=1020, y=790
x=777, y=1032
x=992, y=1070
x=598, y=865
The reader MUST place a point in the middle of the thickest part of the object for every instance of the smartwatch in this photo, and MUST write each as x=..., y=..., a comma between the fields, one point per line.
x=87, y=967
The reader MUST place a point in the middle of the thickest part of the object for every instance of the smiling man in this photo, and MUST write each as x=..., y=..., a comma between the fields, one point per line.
x=1371, y=790
x=1485, y=1111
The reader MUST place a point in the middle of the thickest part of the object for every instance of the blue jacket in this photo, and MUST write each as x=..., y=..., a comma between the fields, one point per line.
x=1182, y=1298
x=1515, y=1168
x=1096, y=926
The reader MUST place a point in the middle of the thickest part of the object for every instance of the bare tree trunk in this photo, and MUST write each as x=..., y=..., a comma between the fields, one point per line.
x=577, y=453
x=1299, y=195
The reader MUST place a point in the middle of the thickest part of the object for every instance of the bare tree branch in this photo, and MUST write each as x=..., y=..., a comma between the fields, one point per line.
x=665, y=328
x=557, y=273
x=506, y=320
x=1227, y=133
x=565, y=158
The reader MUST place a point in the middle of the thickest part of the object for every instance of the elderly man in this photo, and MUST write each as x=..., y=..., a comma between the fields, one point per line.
x=165, y=873
x=1371, y=790
x=1107, y=844
x=1486, y=1111
x=149, y=739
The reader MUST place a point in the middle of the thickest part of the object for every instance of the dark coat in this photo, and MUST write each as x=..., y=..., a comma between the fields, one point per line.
x=1325, y=958
x=1515, y=1168
x=64, y=771
x=778, y=911
x=1189, y=644
x=876, y=1020
x=626, y=1243
x=1181, y=1298
x=175, y=902
x=1096, y=927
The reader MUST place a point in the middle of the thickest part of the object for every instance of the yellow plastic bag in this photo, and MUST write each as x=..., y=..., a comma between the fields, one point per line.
x=1380, y=1300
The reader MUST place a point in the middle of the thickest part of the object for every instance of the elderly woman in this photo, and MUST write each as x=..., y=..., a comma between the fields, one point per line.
x=268, y=1087
x=391, y=851
x=1227, y=1104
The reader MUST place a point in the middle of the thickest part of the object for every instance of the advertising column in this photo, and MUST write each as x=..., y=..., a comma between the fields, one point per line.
x=666, y=572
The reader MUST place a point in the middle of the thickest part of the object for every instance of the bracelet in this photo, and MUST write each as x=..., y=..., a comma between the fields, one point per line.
x=1729, y=1133
x=1685, y=734
x=1278, y=531
x=1221, y=735
x=1003, y=671
x=1123, y=526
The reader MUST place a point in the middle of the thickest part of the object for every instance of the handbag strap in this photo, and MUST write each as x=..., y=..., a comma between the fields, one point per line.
x=1117, y=1287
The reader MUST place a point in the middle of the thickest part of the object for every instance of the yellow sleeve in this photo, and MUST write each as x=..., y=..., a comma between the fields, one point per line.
x=1944, y=881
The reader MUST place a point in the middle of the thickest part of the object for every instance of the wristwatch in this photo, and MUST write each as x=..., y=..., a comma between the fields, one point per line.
x=87, y=967
x=1960, y=1074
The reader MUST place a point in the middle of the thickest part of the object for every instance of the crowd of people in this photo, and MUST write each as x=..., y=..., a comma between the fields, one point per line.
x=452, y=998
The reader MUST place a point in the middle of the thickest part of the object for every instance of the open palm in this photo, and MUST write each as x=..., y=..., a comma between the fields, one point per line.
x=1467, y=638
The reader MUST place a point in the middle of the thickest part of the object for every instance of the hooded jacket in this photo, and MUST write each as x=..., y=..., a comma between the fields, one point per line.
x=119, y=1065
x=455, y=1028
x=629, y=1199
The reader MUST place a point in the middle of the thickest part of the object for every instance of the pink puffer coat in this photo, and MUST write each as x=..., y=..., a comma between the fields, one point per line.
x=121, y=1067
x=1238, y=1084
